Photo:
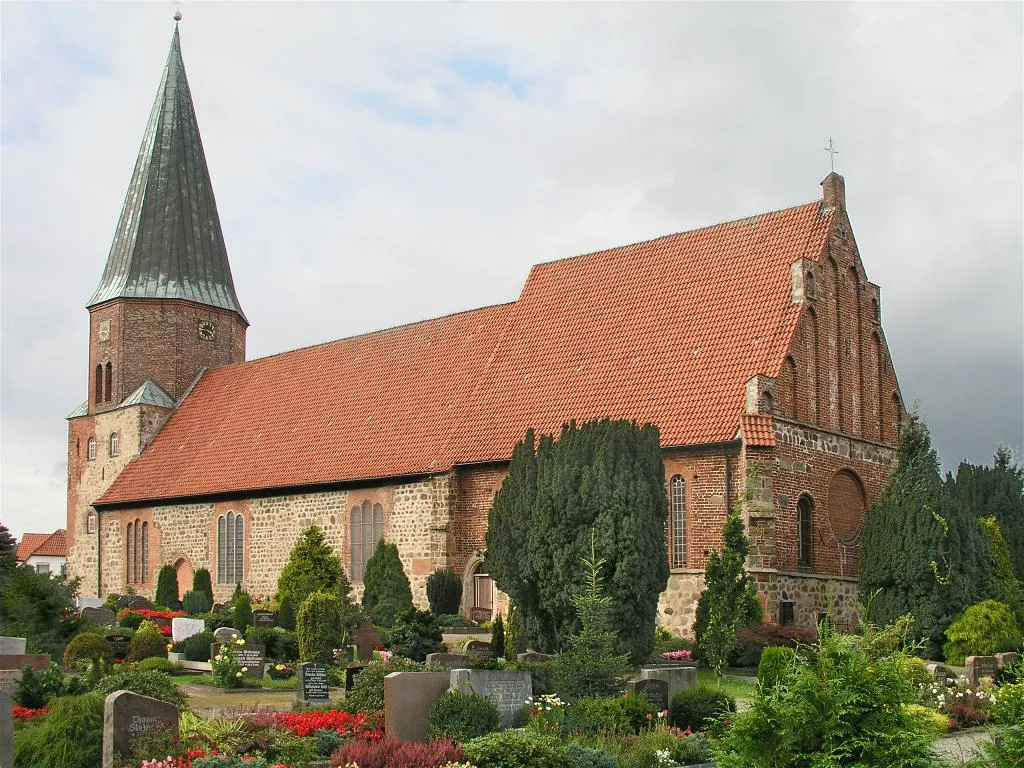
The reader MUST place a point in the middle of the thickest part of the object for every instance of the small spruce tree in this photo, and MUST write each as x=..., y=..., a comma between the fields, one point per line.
x=167, y=587
x=498, y=638
x=201, y=582
x=320, y=627
x=386, y=590
x=241, y=611
x=512, y=632
x=312, y=567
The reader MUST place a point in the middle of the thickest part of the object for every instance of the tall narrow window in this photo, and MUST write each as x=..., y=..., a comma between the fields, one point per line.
x=115, y=444
x=677, y=527
x=130, y=554
x=804, y=531
x=92, y=449
x=136, y=561
x=897, y=416
x=230, y=548
x=90, y=523
x=366, y=529
x=98, y=386
x=838, y=338
x=144, y=559
x=107, y=385
x=794, y=403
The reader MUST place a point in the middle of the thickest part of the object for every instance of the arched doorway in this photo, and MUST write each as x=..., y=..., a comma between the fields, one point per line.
x=480, y=593
x=184, y=572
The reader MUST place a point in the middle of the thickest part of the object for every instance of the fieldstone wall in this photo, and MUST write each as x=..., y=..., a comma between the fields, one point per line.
x=677, y=606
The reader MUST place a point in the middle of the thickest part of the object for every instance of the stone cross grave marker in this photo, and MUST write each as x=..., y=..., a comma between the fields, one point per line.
x=480, y=648
x=407, y=700
x=654, y=689
x=312, y=688
x=6, y=732
x=365, y=638
x=12, y=646
x=449, y=661
x=979, y=667
x=127, y=717
x=223, y=634
x=101, y=616
x=509, y=690
x=264, y=619
x=183, y=628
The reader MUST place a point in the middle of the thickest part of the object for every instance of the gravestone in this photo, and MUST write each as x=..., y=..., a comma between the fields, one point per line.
x=449, y=661
x=89, y=602
x=6, y=732
x=264, y=619
x=134, y=603
x=161, y=622
x=1004, y=659
x=312, y=689
x=120, y=645
x=481, y=649
x=351, y=673
x=939, y=673
x=128, y=716
x=979, y=667
x=480, y=614
x=365, y=637
x=37, y=661
x=407, y=699
x=224, y=634
x=183, y=628
x=654, y=689
x=98, y=616
x=220, y=607
x=251, y=657
x=533, y=657
x=508, y=690
x=678, y=677
x=12, y=646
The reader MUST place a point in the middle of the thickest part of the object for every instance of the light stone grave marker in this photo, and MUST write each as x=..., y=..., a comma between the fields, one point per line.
x=939, y=673
x=679, y=678
x=449, y=661
x=251, y=657
x=183, y=628
x=224, y=634
x=12, y=646
x=6, y=732
x=127, y=717
x=533, y=657
x=1004, y=659
x=98, y=616
x=407, y=700
x=979, y=667
x=509, y=690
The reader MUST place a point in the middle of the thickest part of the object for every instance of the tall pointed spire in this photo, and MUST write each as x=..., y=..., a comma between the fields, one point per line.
x=169, y=243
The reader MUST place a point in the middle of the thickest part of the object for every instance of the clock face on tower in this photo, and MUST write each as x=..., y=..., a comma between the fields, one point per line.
x=207, y=330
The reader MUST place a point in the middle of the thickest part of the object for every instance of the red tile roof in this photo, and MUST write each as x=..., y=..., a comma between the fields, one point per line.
x=757, y=430
x=43, y=544
x=666, y=331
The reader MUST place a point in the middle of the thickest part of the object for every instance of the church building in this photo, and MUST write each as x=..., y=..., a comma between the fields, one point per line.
x=751, y=344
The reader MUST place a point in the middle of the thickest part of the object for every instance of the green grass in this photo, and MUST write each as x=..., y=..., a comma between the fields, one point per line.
x=736, y=690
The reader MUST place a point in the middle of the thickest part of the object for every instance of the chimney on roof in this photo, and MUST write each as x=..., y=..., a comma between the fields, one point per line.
x=834, y=187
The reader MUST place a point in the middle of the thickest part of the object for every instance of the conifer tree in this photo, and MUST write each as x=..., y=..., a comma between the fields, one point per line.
x=997, y=491
x=387, y=593
x=8, y=549
x=312, y=567
x=607, y=476
x=201, y=583
x=167, y=587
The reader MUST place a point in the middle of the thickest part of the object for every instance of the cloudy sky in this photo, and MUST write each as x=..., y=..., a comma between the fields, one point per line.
x=376, y=164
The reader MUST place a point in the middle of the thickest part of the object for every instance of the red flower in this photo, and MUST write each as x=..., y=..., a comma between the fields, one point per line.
x=26, y=713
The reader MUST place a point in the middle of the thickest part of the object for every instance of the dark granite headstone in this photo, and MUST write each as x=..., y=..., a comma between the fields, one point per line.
x=366, y=637
x=134, y=603
x=480, y=614
x=938, y=673
x=508, y=690
x=102, y=616
x=312, y=689
x=449, y=660
x=654, y=689
x=6, y=732
x=264, y=619
x=533, y=657
x=220, y=607
x=127, y=717
x=679, y=677
x=786, y=609
x=351, y=673
x=252, y=657
x=480, y=649
x=979, y=667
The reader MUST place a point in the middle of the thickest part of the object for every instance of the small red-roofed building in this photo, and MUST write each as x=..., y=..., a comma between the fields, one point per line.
x=44, y=552
x=755, y=346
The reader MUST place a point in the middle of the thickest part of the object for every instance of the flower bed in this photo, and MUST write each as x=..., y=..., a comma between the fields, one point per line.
x=164, y=625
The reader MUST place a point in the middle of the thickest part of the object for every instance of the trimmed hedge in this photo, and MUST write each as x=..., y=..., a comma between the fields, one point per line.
x=698, y=707
x=461, y=716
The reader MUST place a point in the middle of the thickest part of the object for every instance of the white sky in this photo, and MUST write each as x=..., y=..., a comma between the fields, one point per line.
x=381, y=163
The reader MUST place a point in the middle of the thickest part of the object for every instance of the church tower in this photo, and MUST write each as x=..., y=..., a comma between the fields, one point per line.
x=165, y=309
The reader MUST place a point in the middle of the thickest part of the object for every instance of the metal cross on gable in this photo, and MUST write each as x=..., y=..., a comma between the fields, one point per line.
x=832, y=152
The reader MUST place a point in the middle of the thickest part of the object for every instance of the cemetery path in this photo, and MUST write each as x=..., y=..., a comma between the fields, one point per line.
x=957, y=748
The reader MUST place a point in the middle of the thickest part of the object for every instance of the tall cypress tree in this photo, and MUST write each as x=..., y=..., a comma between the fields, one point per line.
x=997, y=491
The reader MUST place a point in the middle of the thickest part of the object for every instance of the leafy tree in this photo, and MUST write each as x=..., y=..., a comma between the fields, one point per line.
x=201, y=582
x=604, y=475
x=729, y=600
x=386, y=590
x=8, y=549
x=312, y=567
x=167, y=587
x=38, y=607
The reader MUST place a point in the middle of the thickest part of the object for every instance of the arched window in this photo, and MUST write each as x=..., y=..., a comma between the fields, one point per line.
x=366, y=529
x=90, y=523
x=107, y=385
x=92, y=449
x=838, y=338
x=230, y=546
x=876, y=312
x=813, y=362
x=879, y=358
x=115, y=444
x=804, y=531
x=811, y=285
x=794, y=402
x=130, y=554
x=98, y=385
x=677, y=523
x=137, y=552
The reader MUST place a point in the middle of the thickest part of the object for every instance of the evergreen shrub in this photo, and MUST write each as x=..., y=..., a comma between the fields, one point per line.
x=70, y=736
x=241, y=612
x=201, y=582
x=131, y=620
x=367, y=694
x=216, y=619
x=927, y=719
x=195, y=602
x=196, y=647
x=776, y=662
x=167, y=587
x=88, y=646
x=156, y=664
x=462, y=715
x=984, y=629
x=498, y=638
x=447, y=620
x=156, y=685
x=620, y=715
x=327, y=740
x=1009, y=706
x=386, y=590
x=416, y=634
x=233, y=761
x=591, y=757
x=657, y=748
x=698, y=708
x=36, y=688
x=516, y=749
x=319, y=627
x=313, y=566
x=444, y=591
x=147, y=643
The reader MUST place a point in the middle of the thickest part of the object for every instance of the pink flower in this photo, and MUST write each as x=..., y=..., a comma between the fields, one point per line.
x=683, y=655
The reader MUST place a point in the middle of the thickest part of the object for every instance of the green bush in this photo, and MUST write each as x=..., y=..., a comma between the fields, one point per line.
x=542, y=675
x=618, y=715
x=196, y=647
x=156, y=685
x=917, y=670
x=88, y=646
x=775, y=664
x=367, y=694
x=1006, y=750
x=147, y=643
x=195, y=602
x=327, y=740
x=70, y=736
x=984, y=629
x=241, y=611
x=313, y=566
x=591, y=757
x=167, y=587
x=131, y=620
x=697, y=708
x=416, y=634
x=290, y=750
x=447, y=620
x=444, y=591
x=201, y=582
x=234, y=761
x=319, y=627
x=516, y=749
x=462, y=715
x=1009, y=706
x=36, y=688
x=386, y=591
x=498, y=638
x=217, y=619
x=155, y=664
x=656, y=748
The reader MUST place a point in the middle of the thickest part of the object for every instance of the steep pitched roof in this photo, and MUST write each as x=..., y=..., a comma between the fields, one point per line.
x=150, y=393
x=666, y=331
x=169, y=243
x=42, y=544
x=757, y=430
